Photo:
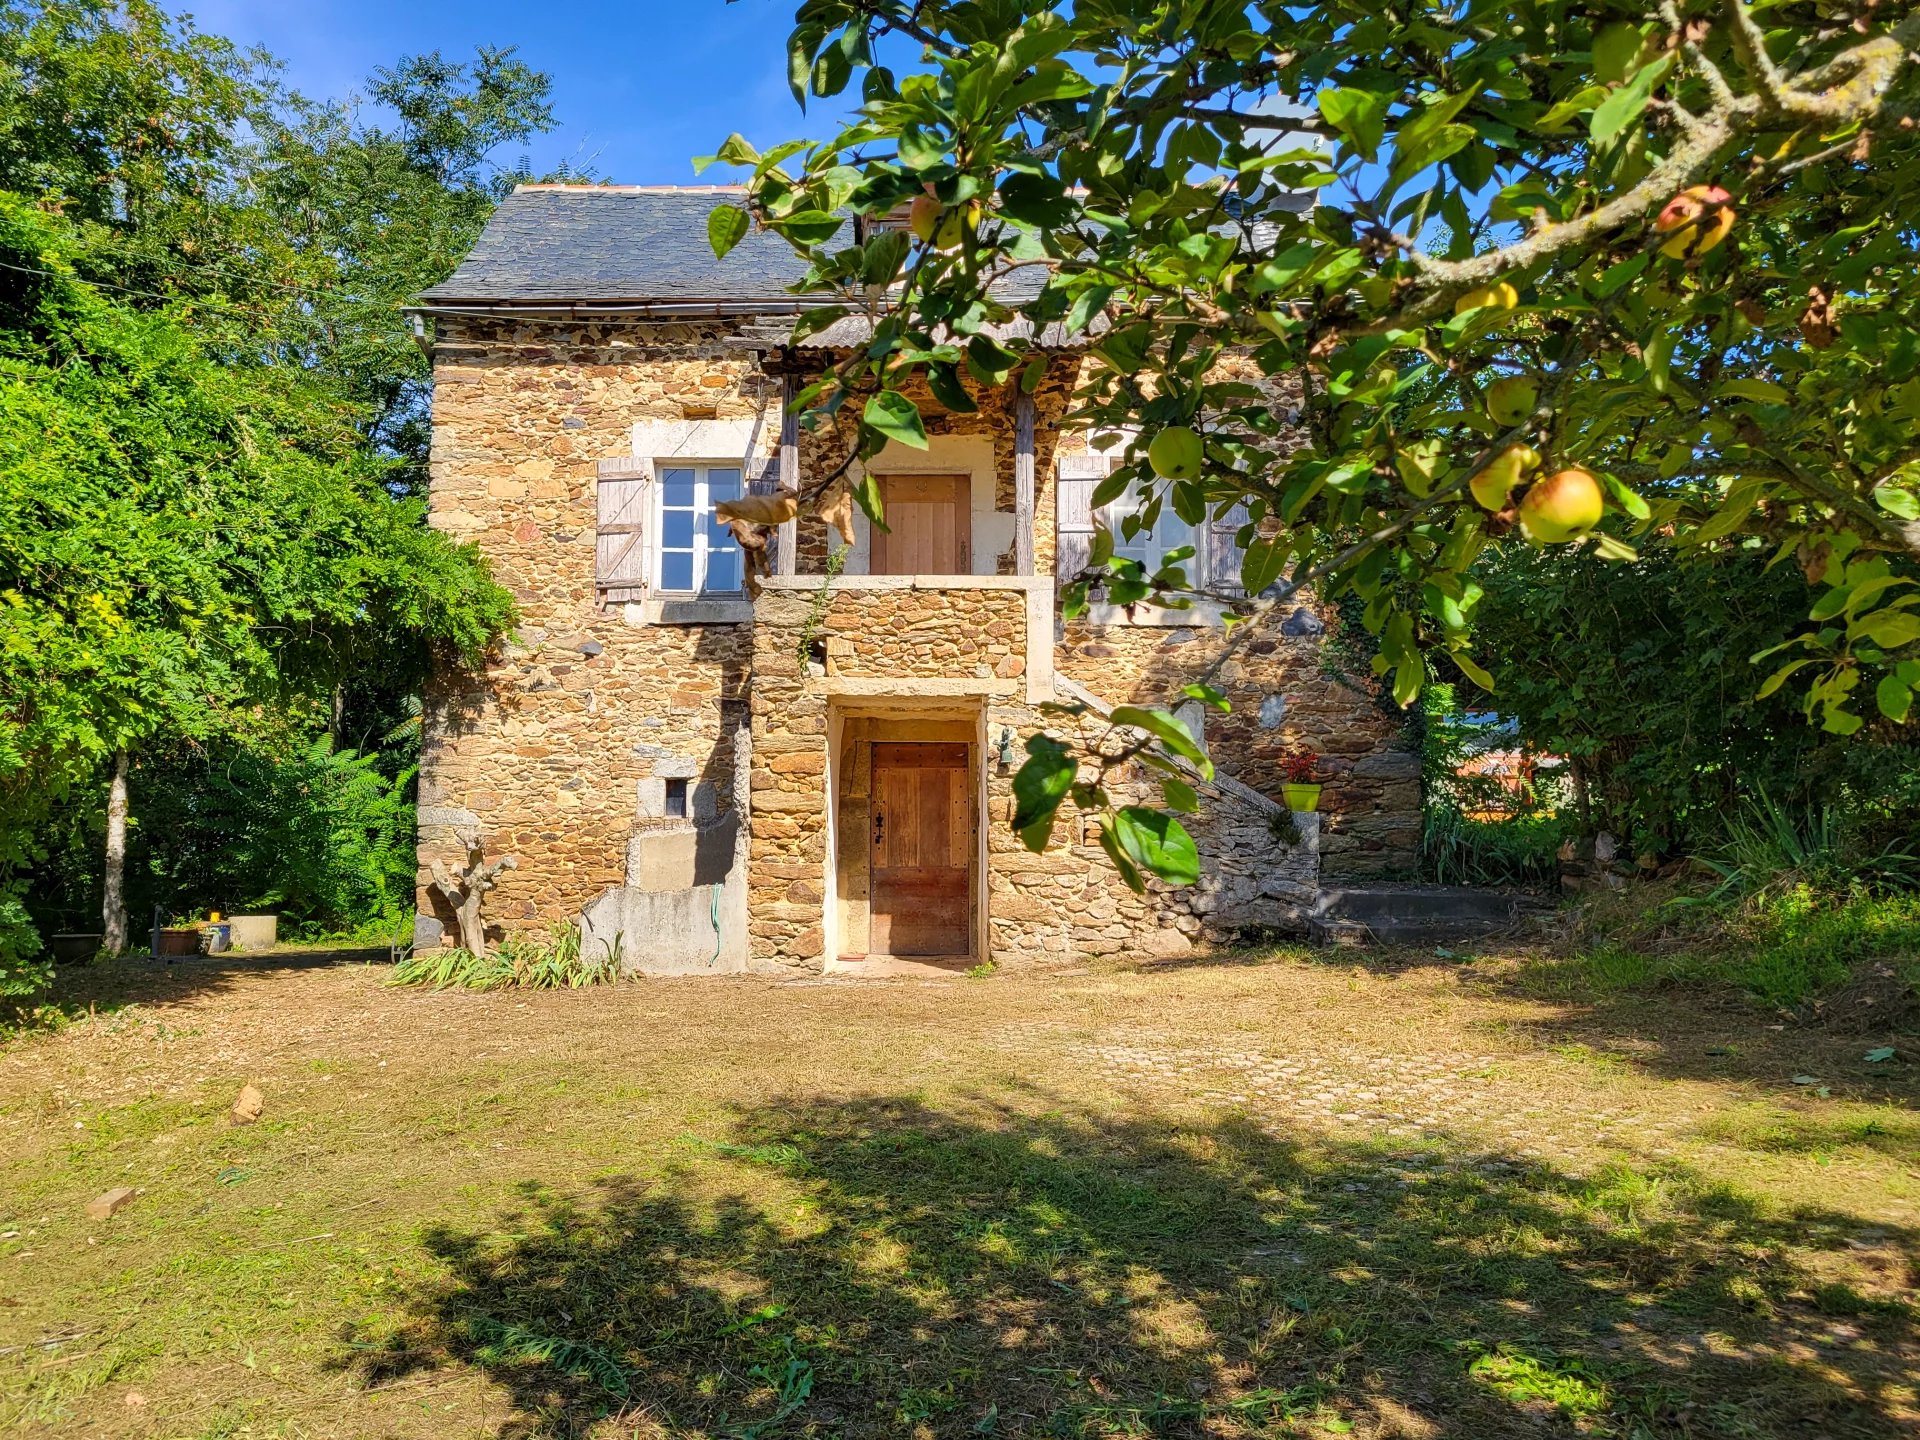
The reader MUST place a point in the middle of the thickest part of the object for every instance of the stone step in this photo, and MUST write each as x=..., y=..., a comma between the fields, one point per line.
x=1415, y=914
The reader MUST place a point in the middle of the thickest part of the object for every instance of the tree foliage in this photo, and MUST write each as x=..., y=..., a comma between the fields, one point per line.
x=1641, y=676
x=212, y=427
x=1682, y=230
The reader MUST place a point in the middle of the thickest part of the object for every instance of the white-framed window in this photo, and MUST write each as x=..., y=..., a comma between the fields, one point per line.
x=1152, y=545
x=696, y=554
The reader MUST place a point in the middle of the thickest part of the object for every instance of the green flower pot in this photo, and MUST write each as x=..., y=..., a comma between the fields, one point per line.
x=1301, y=797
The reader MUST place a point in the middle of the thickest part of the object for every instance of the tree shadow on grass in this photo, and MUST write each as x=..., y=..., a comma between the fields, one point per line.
x=1672, y=1017
x=106, y=986
x=877, y=1267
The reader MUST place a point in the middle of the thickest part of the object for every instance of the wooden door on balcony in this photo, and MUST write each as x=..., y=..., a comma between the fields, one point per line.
x=930, y=526
x=922, y=859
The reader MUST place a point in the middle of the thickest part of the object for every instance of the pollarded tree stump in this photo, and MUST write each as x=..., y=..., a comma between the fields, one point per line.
x=468, y=889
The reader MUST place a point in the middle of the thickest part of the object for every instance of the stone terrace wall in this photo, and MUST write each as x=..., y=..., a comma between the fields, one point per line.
x=937, y=648
x=1286, y=691
x=542, y=756
x=1068, y=901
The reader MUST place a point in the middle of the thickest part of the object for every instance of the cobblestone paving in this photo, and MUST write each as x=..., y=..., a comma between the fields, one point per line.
x=1488, y=1098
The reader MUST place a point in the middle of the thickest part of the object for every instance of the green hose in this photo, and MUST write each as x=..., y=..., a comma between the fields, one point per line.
x=714, y=915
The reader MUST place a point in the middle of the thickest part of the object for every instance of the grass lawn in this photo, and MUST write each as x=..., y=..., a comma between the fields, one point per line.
x=1276, y=1196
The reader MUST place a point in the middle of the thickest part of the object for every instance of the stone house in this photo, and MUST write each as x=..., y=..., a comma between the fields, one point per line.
x=819, y=777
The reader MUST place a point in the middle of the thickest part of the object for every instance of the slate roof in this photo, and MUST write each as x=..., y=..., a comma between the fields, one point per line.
x=637, y=245
x=609, y=243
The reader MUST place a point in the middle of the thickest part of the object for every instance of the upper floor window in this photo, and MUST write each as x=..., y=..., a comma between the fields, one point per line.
x=1150, y=545
x=697, y=554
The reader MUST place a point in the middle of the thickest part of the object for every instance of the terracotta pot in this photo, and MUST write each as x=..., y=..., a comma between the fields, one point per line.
x=179, y=942
x=1301, y=797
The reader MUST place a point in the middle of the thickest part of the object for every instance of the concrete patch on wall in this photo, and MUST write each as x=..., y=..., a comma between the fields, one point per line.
x=696, y=931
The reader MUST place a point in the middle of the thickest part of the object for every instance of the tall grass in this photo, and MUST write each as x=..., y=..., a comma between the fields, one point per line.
x=1523, y=850
x=1770, y=848
x=517, y=961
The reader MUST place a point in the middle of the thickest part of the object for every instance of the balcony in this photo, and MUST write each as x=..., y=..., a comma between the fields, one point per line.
x=957, y=636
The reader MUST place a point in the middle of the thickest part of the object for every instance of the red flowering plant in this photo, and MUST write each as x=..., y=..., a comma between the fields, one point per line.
x=1297, y=767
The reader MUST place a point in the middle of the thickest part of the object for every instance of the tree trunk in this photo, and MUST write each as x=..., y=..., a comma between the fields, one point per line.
x=113, y=900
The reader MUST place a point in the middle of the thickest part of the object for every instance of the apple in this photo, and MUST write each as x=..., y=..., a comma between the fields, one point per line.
x=1498, y=296
x=960, y=222
x=1511, y=400
x=1561, y=507
x=1495, y=481
x=1176, y=453
x=923, y=217
x=1695, y=221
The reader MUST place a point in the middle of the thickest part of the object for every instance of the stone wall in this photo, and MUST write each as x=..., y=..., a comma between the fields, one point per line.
x=1288, y=690
x=557, y=752
x=933, y=650
x=544, y=756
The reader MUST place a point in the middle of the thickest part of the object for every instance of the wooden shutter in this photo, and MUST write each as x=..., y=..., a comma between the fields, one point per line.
x=763, y=478
x=622, y=560
x=1077, y=477
x=1220, y=552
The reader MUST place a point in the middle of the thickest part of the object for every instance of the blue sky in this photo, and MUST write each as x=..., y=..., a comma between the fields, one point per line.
x=640, y=86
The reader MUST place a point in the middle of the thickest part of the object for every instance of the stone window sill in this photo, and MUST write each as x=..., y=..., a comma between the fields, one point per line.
x=674, y=610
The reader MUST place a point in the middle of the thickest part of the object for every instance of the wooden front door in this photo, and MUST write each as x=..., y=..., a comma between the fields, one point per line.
x=922, y=851
x=930, y=526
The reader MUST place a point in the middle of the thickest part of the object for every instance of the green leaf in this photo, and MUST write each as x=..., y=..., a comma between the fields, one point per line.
x=1122, y=861
x=726, y=228
x=990, y=361
x=1731, y=515
x=1409, y=678
x=1359, y=115
x=1473, y=671
x=1761, y=392
x=1168, y=729
x=1893, y=697
x=1087, y=304
x=1626, y=104
x=1035, y=200
x=1262, y=563
x=1207, y=696
x=897, y=418
x=943, y=380
x=1157, y=843
x=1179, y=795
x=1626, y=497
x=816, y=319
x=1039, y=786
x=1780, y=677
x=1889, y=629
x=808, y=227
x=736, y=149
x=1896, y=501
x=1880, y=1054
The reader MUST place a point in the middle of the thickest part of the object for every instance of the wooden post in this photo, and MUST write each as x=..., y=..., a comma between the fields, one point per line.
x=1023, y=484
x=787, y=557
x=113, y=897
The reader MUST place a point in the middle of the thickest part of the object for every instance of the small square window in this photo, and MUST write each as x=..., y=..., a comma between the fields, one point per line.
x=676, y=801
